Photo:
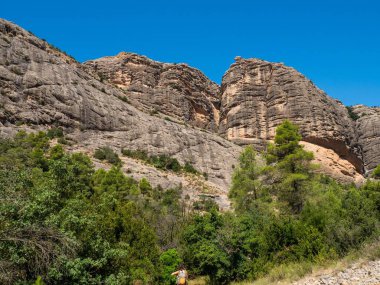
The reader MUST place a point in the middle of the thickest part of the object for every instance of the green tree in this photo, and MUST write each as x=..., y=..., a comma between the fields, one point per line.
x=292, y=164
x=246, y=185
x=170, y=261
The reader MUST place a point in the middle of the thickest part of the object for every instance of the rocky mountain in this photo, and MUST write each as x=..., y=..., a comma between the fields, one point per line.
x=130, y=101
x=258, y=95
x=41, y=87
x=255, y=96
x=173, y=89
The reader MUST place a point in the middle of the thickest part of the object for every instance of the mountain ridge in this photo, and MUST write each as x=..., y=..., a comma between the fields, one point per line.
x=42, y=88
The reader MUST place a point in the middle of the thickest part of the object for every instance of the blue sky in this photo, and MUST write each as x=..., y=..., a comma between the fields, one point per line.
x=334, y=43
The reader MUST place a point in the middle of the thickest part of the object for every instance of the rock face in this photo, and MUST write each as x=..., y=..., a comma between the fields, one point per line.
x=258, y=95
x=173, y=89
x=330, y=162
x=41, y=87
x=122, y=101
x=368, y=131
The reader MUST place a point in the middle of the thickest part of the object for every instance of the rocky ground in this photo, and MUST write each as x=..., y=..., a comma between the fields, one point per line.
x=361, y=273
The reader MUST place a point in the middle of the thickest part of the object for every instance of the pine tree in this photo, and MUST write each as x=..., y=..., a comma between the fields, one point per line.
x=293, y=164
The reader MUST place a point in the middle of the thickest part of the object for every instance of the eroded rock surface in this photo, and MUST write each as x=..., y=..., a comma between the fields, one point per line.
x=330, y=162
x=368, y=130
x=258, y=95
x=41, y=88
x=123, y=101
x=173, y=89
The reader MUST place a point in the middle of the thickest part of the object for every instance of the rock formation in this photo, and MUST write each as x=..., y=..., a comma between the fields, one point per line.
x=123, y=101
x=173, y=89
x=368, y=131
x=41, y=87
x=258, y=95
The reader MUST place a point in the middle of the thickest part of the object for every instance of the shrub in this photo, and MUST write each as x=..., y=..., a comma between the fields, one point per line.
x=351, y=113
x=63, y=141
x=162, y=161
x=189, y=168
x=106, y=153
x=165, y=162
x=55, y=133
x=124, y=99
x=137, y=154
x=376, y=172
x=170, y=261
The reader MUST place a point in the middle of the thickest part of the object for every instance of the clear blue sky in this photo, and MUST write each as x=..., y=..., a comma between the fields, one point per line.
x=334, y=43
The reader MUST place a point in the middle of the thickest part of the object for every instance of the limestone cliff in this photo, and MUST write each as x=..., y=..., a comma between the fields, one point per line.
x=122, y=101
x=173, y=89
x=40, y=87
x=258, y=95
x=368, y=131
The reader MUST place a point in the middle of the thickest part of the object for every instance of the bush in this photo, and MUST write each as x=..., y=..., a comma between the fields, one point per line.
x=137, y=154
x=170, y=261
x=351, y=113
x=165, y=162
x=55, y=133
x=162, y=161
x=124, y=99
x=63, y=141
x=376, y=172
x=106, y=153
x=189, y=168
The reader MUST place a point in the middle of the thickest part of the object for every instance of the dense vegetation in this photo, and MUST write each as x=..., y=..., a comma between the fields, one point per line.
x=71, y=224
x=61, y=219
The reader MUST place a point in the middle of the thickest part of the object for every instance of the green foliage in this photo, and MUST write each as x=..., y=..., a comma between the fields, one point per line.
x=352, y=114
x=71, y=224
x=124, y=99
x=170, y=261
x=62, y=220
x=292, y=167
x=286, y=142
x=289, y=215
x=106, y=153
x=145, y=187
x=55, y=133
x=205, y=204
x=165, y=162
x=189, y=168
x=161, y=161
x=376, y=172
x=39, y=281
x=246, y=186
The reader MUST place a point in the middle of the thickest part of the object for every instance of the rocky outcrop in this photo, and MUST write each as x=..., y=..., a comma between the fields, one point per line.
x=123, y=101
x=258, y=95
x=328, y=161
x=41, y=88
x=368, y=131
x=173, y=89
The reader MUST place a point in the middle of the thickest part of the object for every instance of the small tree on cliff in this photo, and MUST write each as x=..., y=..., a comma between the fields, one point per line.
x=292, y=164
